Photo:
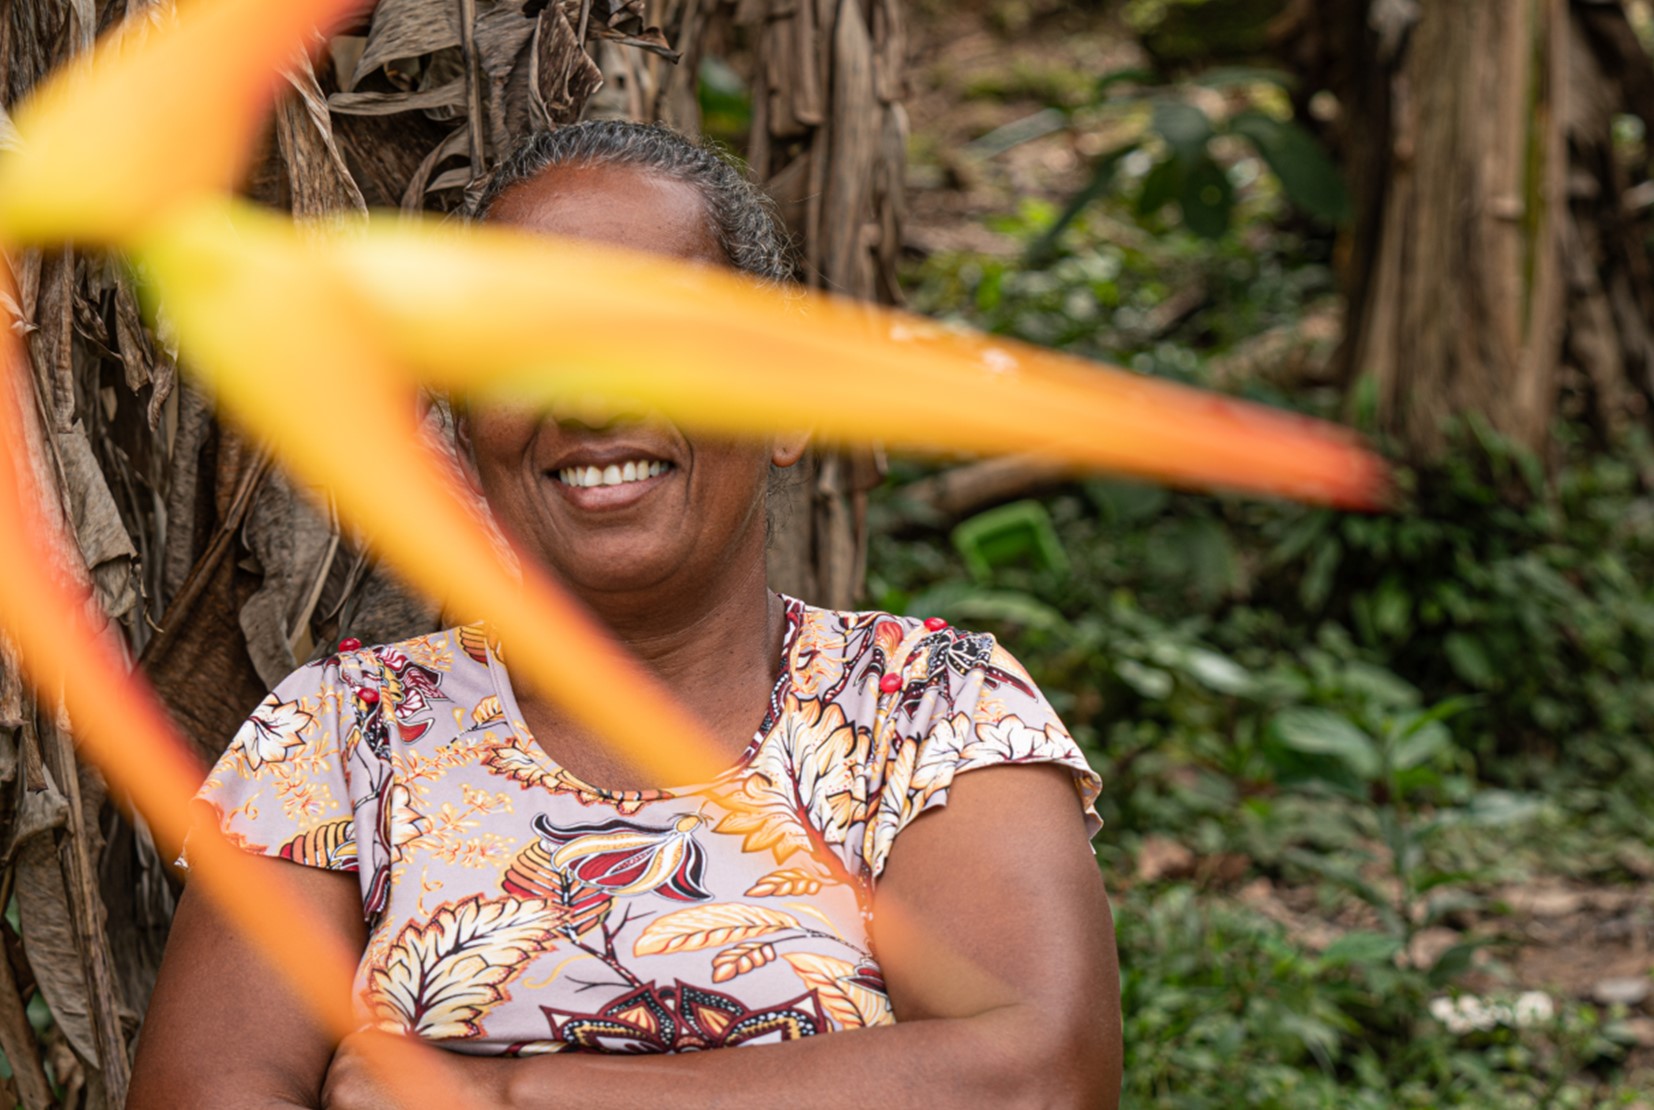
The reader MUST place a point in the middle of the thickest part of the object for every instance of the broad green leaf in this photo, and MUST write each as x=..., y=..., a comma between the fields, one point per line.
x=1442, y=711
x=1363, y=948
x=1185, y=128
x=1392, y=609
x=1132, y=75
x=1205, y=553
x=1316, y=585
x=1378, y=684
x=1207, y=198
x=1421, y=747
x=1126, y=503
x=1217, y=672
x=964, y=603
x=1103, y=174
x=1307, y=175
x=1228, y=77
x=1149, y=682
x=1162, y=186
x=1453, y=963
x=1322, y=732
x=1494, y=809
x=1469, y=660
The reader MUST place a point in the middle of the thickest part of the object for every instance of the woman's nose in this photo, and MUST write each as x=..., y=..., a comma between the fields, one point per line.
x=594, y=416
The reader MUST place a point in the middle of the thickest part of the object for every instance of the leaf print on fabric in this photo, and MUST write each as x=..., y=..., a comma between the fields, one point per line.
x=411, y=688
x=787, y=881
x=473, y=641
x=405, y=824
x=852, y=996
x=332, y=845
x=709, y=926
x=512, y=758
x=804, y=777
x=888, y=635
x=684, y=1018
x=625, y=859
x=303, y=798
x=488, y=711
x=937, y=756
x=437, y=980
x=817, y=658
x=532, y=875
x=741, y=959
x=1008, y=740
x=273, y=732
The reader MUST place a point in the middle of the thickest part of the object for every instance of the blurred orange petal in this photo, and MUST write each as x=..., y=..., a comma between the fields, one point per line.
x=494, y=311
x=290, y=352
x=152, y=117
x=123, y=729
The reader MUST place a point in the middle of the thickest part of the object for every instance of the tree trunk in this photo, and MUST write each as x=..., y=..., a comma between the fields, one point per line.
x=222, y=575
x=1464, y=309
x=1493, y=271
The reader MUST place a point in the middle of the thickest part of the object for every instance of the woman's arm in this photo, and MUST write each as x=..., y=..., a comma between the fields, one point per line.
x=994, y=934
x=223, y=1030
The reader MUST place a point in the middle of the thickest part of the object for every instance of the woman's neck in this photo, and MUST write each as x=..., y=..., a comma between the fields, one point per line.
x=694, y=636
x=716, y=649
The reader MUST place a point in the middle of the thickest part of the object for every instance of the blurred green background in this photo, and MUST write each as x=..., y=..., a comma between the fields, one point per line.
x=1380, y=797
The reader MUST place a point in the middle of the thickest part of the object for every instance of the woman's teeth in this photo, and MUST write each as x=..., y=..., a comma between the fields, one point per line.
x=615, y=474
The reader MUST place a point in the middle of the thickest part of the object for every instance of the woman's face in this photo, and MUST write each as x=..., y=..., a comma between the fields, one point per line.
x=626, y=506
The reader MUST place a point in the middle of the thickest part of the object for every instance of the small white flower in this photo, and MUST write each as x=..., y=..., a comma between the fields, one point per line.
x=1534, y=1008
x=1470, y=1014
x=1444, y=1011
x=1466, y=1014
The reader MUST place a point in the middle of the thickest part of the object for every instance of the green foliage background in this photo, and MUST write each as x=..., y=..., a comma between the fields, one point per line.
x=1388, y=720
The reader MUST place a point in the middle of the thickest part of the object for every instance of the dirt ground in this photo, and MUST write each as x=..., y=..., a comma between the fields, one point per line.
x=971, y=74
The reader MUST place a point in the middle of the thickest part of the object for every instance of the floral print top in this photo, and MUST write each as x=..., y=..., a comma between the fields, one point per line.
x=513, y=908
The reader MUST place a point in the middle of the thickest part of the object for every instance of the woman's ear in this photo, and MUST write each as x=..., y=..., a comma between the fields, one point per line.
x=788, y=449
x=463, y=456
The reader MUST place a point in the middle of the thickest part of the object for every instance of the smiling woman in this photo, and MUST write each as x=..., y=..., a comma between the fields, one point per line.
x=896, y=844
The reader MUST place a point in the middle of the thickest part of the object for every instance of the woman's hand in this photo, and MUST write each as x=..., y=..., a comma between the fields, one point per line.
x=357, y=1077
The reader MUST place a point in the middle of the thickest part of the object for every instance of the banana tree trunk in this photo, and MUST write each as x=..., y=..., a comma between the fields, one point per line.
x=1497, y=270
x=1466, y=299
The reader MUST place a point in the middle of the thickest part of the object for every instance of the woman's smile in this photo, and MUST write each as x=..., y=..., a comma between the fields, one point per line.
x=606, y=482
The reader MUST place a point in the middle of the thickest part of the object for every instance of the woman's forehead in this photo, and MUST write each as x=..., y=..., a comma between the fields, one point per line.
x=622, y=205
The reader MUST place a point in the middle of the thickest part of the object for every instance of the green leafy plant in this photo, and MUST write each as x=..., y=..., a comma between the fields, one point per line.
x=1386, y=720
x=1180, y=141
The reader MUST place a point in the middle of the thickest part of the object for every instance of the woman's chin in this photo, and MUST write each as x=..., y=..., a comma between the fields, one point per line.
x=604, y=573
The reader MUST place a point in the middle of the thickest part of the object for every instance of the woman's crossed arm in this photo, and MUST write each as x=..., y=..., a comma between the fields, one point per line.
x=990, y=925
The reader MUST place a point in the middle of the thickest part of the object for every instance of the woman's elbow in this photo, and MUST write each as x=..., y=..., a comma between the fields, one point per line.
x=1069, y=1065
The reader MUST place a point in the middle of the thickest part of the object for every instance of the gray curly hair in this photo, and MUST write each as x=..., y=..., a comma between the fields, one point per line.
x=743, y=220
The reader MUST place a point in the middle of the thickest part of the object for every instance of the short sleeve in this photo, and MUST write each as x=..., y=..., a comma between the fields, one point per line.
x=965, y=704
x=284, y=787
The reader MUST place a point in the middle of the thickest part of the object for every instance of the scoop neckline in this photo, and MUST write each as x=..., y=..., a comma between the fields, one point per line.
x=793, y=611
